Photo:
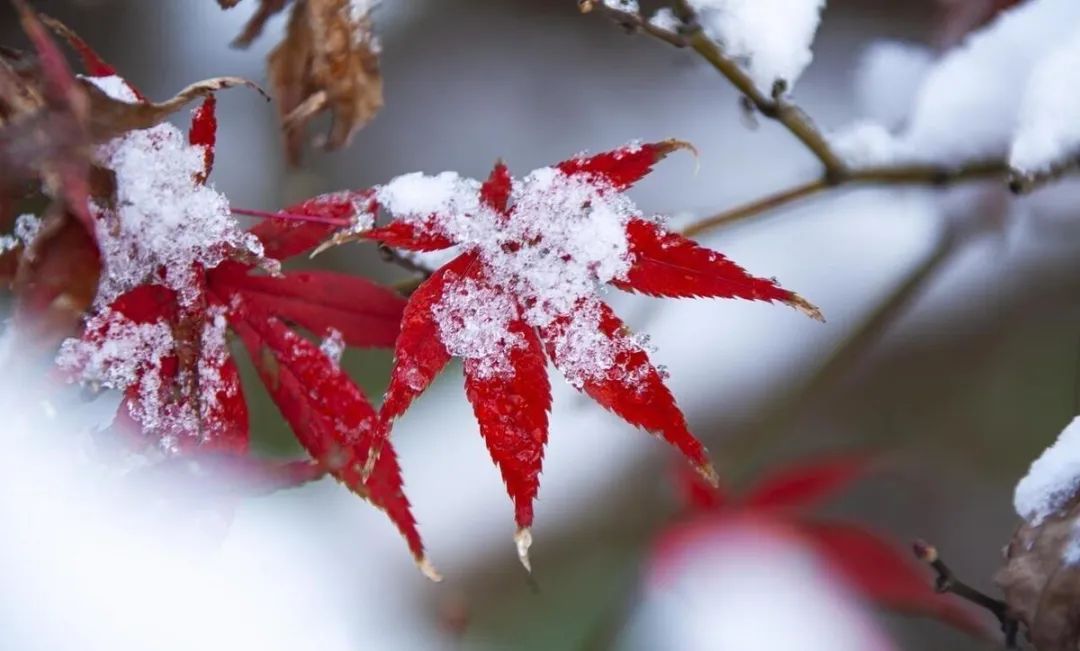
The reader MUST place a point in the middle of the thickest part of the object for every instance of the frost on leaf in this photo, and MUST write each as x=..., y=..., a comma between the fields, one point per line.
x=179, y=275
x=328, y=61
x=534, y=254
x=163, y=217
x=771, y=38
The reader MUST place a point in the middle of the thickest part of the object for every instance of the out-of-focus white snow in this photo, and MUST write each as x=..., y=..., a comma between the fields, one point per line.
x=887, y=79
x=1053, y=478
x=972, y=101
x=748, y=589
x=770, y=38
x=1049, y=125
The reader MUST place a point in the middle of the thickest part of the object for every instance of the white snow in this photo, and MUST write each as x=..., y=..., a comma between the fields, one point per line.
x=623, y=5
x=665, y=18
x=1053, y=479
x=333, y=345
x=564, y=238
x=887, y=78
x=1049, y=123
x=770, y=38
x=164, y=220
x=972, y=100
x=26, y=228
x=115, y=87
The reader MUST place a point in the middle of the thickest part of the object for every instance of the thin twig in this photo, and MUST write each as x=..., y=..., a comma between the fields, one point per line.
x=901, y=175
x=632, y=21
x=947, y=582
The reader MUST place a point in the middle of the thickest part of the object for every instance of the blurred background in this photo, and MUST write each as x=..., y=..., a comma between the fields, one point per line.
x=954, y=363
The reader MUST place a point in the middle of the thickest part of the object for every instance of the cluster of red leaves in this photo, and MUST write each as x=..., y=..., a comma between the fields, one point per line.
x=327, y=411
x=512, y=409
x=779, y=505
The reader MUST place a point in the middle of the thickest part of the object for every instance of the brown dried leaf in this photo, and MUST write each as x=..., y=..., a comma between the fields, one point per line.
x=1042, y=591
x=110, y=118
x=254, y=26
x=328, y=61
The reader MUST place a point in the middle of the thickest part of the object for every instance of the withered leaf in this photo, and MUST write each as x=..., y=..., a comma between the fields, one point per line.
x=1041, y=581
x=329, y=60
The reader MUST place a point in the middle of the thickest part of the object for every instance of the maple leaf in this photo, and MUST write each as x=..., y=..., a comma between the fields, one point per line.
x=178, y=276
x=777, y=505
x=522, y=290
x=328, y=60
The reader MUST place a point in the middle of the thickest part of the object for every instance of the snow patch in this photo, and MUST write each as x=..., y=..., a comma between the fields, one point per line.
x=1049, y=120
x=770, y=38
x=1053, y=478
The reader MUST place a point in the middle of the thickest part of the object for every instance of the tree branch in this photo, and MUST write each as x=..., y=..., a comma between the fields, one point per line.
x=947, y=582
x=779, y=108
x=901, y=175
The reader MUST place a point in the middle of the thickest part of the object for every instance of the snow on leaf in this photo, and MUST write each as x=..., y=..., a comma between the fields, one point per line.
x=203, y=133
x=513, y=417
x=771, y=38
x=165, y=218
x=535, y=252
x=181, y=388
x=329, y=414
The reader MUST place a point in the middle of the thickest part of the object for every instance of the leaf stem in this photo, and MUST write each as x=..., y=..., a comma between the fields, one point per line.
x=319, y=219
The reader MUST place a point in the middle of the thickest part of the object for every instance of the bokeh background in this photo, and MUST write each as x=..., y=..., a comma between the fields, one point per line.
x=955, y=364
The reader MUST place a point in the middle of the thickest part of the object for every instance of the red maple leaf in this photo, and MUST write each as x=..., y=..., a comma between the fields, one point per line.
x=523, y=289
x=164, y=345
x=778, y=505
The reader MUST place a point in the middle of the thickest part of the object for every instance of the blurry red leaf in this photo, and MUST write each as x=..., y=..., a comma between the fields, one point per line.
x=806, y=485
x=885, y=574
